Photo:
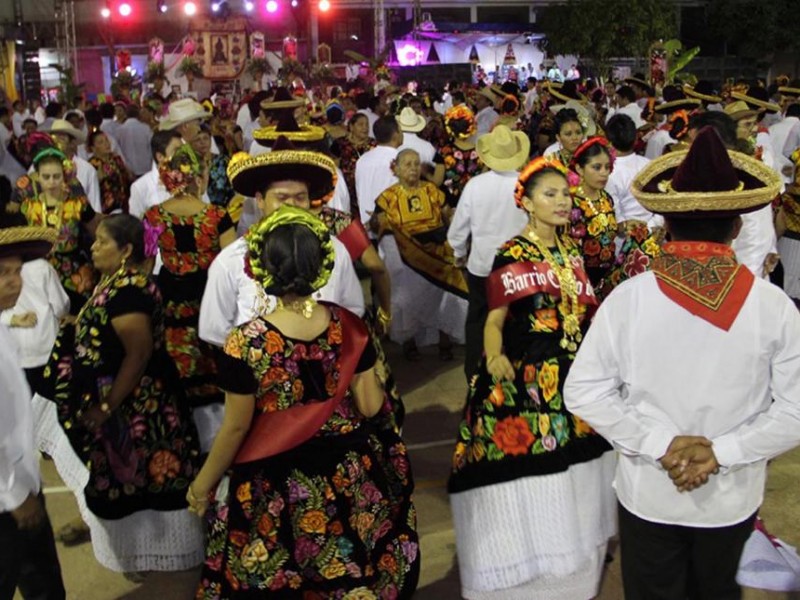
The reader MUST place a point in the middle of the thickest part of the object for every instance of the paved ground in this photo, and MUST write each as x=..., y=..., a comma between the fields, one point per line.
x=434, y=394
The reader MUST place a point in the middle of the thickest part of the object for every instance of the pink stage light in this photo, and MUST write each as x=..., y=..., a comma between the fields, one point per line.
x=272, y=6
x=409, y=55
x=324, y=5
x=190, y=8
x=105, y=12
x=125, y=9
x=248, y=5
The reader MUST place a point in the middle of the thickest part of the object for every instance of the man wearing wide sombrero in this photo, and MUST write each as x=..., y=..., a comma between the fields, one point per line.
x=757, y=98
x=271, y=112
x=675, y=110
x=704, y=91
x=27, y=547
x=185, y=117
x=411, y=124
x=68, y=138
x=486, y=217
x=692, y=371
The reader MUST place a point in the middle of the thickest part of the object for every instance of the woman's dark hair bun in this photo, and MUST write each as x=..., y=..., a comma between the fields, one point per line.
x=293, y=255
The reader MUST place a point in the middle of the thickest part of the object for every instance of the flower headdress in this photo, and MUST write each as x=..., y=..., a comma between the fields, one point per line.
x=460, y=113
x=533, y=167
x=181, y=170
x=286, y=215
x=588, y=144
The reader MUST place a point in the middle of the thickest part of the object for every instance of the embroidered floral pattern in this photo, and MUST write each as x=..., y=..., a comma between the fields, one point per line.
x=459, y=167
x=115, y=185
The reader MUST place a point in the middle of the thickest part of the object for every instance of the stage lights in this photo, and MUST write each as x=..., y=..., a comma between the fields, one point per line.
x=190, y=8
x=249, y=6
x=324, y=5
x=162, y=6
x=272, y=6
x=125, y=9
x=295, y=3
x=105, y=12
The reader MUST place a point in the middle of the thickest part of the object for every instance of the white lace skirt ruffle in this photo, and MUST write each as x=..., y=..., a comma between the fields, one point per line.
x=148, y=540
x=537, y=538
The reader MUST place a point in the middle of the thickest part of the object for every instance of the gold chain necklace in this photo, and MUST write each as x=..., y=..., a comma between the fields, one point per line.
x=585, y=196
x=568, y=284
x=54, y=218
x=301, y=307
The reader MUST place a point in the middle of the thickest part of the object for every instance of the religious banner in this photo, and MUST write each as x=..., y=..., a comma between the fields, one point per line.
x=473, y=55
x=290, y=47
x=324, y=54
x=659, y=66
x=221, y=46
x=257, y=47
x=510, y=58
x=156, y=51
x=122, y=60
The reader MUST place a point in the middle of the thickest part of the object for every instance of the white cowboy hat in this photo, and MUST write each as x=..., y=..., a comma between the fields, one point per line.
x=587, y=123
x=410, y=121
x=183, y=111
x=63, y=126
x=503, y=149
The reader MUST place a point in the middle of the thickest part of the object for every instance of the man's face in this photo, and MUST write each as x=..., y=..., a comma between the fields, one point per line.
x=746, y=128
x=119, y=113
x=66, y=143
x=29, y=127
x=10, y=281
x=189, y=130
x=280, y=193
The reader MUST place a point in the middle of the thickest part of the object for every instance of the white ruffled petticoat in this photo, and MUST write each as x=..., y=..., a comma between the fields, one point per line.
x=541, y=537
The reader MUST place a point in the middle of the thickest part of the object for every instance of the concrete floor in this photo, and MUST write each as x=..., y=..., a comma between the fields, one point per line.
x=434, y=394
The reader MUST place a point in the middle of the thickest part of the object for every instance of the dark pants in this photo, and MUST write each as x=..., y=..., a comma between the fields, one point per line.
x=28, y=559
x=673, y=562
x=476, y=319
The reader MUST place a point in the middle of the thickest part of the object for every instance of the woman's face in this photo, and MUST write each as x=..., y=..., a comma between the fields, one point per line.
x=101, y=146
x=551, y=202
x=107, y=256
x=202, y=143
x=746, y=128
x=360, y=127
x=595, y=173
x=570, y=136
x=408, y=168
x=51, y=178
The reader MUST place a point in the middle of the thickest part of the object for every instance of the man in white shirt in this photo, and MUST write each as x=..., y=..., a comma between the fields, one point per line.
x=109, y=126
x=365, y=104
x=68, y=138
x=9, y=166
x=27, y=547
x=485, y=218
x=692, y=372
x=621, y=132
x=18, y=118
x=669, y=132
x=374, y=168
x=626, y=105
x=532, y=94
x=148, y=190
x=134, y=141
x=780, y=132
x=411, y=124
x=485, y=114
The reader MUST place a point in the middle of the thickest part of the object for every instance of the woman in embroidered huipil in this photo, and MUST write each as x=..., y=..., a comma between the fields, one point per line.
x=113, y=175
x=349, y=149
x=458, y=153
x=525, y=470
x=320, y=511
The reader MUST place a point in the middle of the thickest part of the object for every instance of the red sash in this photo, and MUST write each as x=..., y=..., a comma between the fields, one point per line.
x=522, y=279
x=705, y=279
x=275, y=432
x=355, y=239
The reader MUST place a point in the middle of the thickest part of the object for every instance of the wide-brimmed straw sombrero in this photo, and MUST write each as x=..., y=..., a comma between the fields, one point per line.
x=182, y=111
x=65, y=127
x=308, y=137
x=503, y=149
x=706, y=181
x=29, y=243
x=282, y=99
x=253, y=174
x=675, y=99
x=757, y=98
x=703, y=90
x=739, y=110
x=789, y=91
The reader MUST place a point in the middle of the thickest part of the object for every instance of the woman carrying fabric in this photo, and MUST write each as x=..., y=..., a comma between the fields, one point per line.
x=114, y=177
x=428, y=291
x=530, y=488
x=459, y=155
x=189, y=234
x=349, y=149
x=312, y=502
x=120, y=405
x=52, y=197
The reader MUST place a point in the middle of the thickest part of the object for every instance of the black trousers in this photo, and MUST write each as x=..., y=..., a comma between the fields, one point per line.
x=673, y=562
x=476, y=319
x=28, y=560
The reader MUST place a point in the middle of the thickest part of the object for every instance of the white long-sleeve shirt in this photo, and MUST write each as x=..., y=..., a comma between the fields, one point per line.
x=426, y=151
x=657, y=142
x=19, y=460
x=134, y=141
x=43, y=294
x=626, y=207
x=231, y=296
x=648, y=370
x=487, y=215
x=756, y=239
x=147, y=191
x=373, y=175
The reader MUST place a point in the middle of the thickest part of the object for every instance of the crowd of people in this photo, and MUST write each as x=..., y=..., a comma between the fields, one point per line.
x=186, y=334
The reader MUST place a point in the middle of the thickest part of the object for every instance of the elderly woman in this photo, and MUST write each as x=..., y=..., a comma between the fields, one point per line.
x=52, y=197
x=428, y=291
x=313, y=503
x=121, y=408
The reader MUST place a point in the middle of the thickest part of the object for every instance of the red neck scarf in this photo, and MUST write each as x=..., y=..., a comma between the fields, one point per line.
x=705, y=279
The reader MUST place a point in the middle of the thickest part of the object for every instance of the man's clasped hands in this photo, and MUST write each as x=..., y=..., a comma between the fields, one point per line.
x=689, y=460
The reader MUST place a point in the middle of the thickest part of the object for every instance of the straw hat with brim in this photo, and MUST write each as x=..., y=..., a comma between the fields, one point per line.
x=410, y=121
x=503, y=149
x=681, y=104
x=489, y=95
x=558, y=95
x=587, y=123
x=250, y=175
x=63, y=126
x=183, y=111
x=306, y=135
x=697, y=92
x=637, y=81
x=756, y=102
x=282, y=99
x=791, y=92
x=706, y=181
x=739, y=110
x=29, y=243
